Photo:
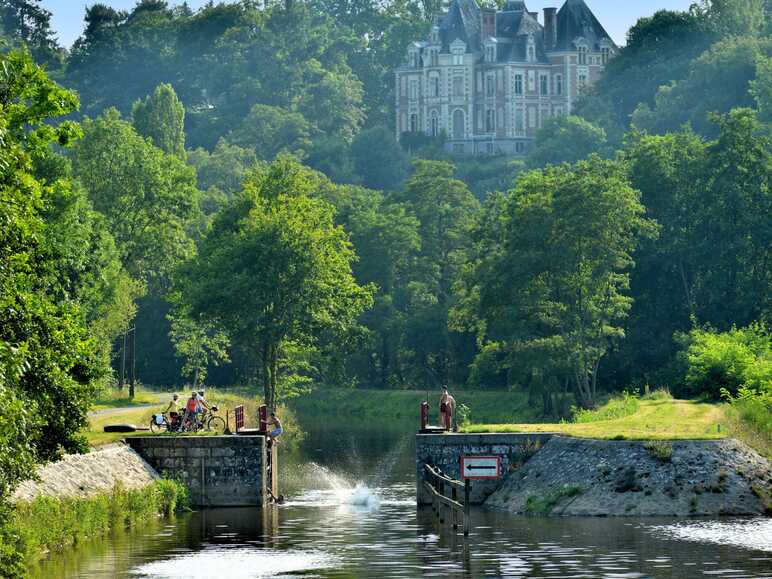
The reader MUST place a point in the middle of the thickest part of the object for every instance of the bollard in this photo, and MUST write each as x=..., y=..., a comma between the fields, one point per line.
x=424, y=415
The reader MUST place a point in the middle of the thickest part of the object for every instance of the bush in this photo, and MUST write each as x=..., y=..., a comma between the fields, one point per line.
x=618, y=407
x=52, y=524
x=717, y=365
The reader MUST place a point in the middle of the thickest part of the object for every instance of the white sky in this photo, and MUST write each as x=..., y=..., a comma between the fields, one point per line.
x=617, y=16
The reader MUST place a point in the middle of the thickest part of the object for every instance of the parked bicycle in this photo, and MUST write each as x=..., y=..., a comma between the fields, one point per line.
x=210, y=422
x=163, y=423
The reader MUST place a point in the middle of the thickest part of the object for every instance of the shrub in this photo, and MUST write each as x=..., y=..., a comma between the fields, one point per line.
x=660, y=450
x=716, y=364
x=617, y=407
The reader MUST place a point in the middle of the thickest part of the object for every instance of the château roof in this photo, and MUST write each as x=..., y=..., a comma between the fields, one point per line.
x=575, y=20
x=514, y=25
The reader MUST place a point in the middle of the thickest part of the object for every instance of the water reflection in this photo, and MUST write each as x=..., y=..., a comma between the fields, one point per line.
x=352, y=514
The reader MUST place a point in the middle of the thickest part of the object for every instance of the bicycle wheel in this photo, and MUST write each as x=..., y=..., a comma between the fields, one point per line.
x=216, y=424
x=156, y=428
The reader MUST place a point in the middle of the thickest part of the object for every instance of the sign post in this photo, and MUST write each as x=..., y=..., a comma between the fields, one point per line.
x=480, y=467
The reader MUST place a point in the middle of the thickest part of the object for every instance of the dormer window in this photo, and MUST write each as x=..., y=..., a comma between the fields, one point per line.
x=531, y=50
x=490, y=52
x=582, y=50
x=412, y=59
x=605, y=54
x=435, y=35
x=458, y=49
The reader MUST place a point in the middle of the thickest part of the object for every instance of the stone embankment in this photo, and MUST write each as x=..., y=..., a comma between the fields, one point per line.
x=85, y=475
x=579, y=477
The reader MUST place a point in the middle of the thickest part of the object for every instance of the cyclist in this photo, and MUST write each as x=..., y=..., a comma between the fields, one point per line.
x=173, y=410
x=191, y=410
x=203, y=406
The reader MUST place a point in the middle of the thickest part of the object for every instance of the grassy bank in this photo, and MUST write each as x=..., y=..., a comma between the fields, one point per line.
x=50, y=524
x=404, y=405
x=657, y=417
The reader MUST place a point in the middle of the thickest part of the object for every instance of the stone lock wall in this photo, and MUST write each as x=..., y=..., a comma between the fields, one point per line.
x=445, y=451
x=220, y=471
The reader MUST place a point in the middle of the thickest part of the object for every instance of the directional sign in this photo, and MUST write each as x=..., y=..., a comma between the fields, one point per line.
x=474, y=467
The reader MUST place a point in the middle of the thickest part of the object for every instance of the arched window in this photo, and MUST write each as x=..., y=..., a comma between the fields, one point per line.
x=413, y=123
x=434, y=126
x=458, y=124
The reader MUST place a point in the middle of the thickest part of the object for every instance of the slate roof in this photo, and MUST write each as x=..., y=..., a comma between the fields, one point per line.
x=514, y=24
x=574, y=20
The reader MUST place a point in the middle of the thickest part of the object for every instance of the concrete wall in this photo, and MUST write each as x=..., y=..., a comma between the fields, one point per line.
x=86, y=475
x=445, y=451
x=220, y=471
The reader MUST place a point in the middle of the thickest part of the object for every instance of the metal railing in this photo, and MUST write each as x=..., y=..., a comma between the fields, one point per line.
x=445, y=493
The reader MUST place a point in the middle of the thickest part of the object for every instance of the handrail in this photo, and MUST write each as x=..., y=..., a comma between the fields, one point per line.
x=436, y=483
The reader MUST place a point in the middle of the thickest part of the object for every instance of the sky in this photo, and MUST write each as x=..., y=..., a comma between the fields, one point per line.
x=617, y=16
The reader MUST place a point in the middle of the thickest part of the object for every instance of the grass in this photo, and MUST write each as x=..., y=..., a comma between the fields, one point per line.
x=542, y=507
x=360, y=404
x=140, y=415
x=120, y=399
x=54, y=524
x=655, y=417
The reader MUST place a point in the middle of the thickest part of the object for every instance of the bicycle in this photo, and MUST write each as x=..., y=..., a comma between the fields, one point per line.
x=162, y=423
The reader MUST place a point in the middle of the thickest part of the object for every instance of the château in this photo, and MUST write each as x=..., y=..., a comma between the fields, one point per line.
x=487, y=80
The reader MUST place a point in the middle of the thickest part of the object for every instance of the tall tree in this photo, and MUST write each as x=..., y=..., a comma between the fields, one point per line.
x=566, y=140
x=48, y=366
x=288, y=269
x=554, y=287
x=148, y=197
x=161, y=117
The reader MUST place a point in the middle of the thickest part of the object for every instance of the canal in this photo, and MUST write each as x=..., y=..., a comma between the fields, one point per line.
x=351, y=513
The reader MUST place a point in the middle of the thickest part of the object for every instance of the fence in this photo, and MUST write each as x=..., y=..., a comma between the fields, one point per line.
x=438, y=484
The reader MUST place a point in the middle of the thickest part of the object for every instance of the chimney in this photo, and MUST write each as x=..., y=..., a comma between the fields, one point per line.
x=488, y=27
x=550, y=29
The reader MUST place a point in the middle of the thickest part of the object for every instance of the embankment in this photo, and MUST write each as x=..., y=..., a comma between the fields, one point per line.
x=546, y=474
x=583, y=477
x=87, y=475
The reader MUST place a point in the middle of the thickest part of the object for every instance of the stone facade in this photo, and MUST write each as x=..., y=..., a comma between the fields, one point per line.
x=220, y=471
x=445, y=451
x=487, y=80
x=86, y=475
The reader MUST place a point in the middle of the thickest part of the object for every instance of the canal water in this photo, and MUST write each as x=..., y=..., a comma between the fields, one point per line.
x=351, y=513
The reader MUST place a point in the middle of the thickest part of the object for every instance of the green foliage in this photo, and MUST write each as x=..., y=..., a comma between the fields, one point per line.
x=566, y=140
x=271, y=130
x=731, y=63
x=148, y=197
x=617, y=407
x=199, y=343
x=544, y=506
x=661, y=450
x=735, y=362
x=272, y=240
x=161, y=118
x=51, y=524
x=550, y=276
x=379, y=159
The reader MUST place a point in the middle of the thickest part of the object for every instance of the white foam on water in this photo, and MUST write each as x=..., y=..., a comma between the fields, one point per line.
x=235, y=564
x=748, y=534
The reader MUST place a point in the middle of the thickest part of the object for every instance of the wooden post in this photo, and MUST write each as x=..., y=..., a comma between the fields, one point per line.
x=442, y=503
x=454, y=511
x=467, y=507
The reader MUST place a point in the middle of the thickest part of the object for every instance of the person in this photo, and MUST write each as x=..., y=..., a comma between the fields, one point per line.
x=277, y=429
x=447, y=409
x=203, y=407
x=191, y=409
x=173, y=410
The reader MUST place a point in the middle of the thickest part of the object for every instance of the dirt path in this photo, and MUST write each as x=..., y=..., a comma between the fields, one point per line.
x=109, y=411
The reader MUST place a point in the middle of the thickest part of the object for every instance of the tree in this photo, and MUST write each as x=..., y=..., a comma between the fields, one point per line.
x=287, y=266
x=554, y=286
x=148, y=197
x=566, y=140
x=271, y=130
x=730, y=64
x=199, y=343
x=378, y=159
x=30, y=24
x=161, y=117
x=48, y=366
x=735, y=17
x=446, y=210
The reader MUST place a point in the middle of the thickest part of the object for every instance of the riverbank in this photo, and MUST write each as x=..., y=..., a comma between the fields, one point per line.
x=50, y=524
x=582, y=477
